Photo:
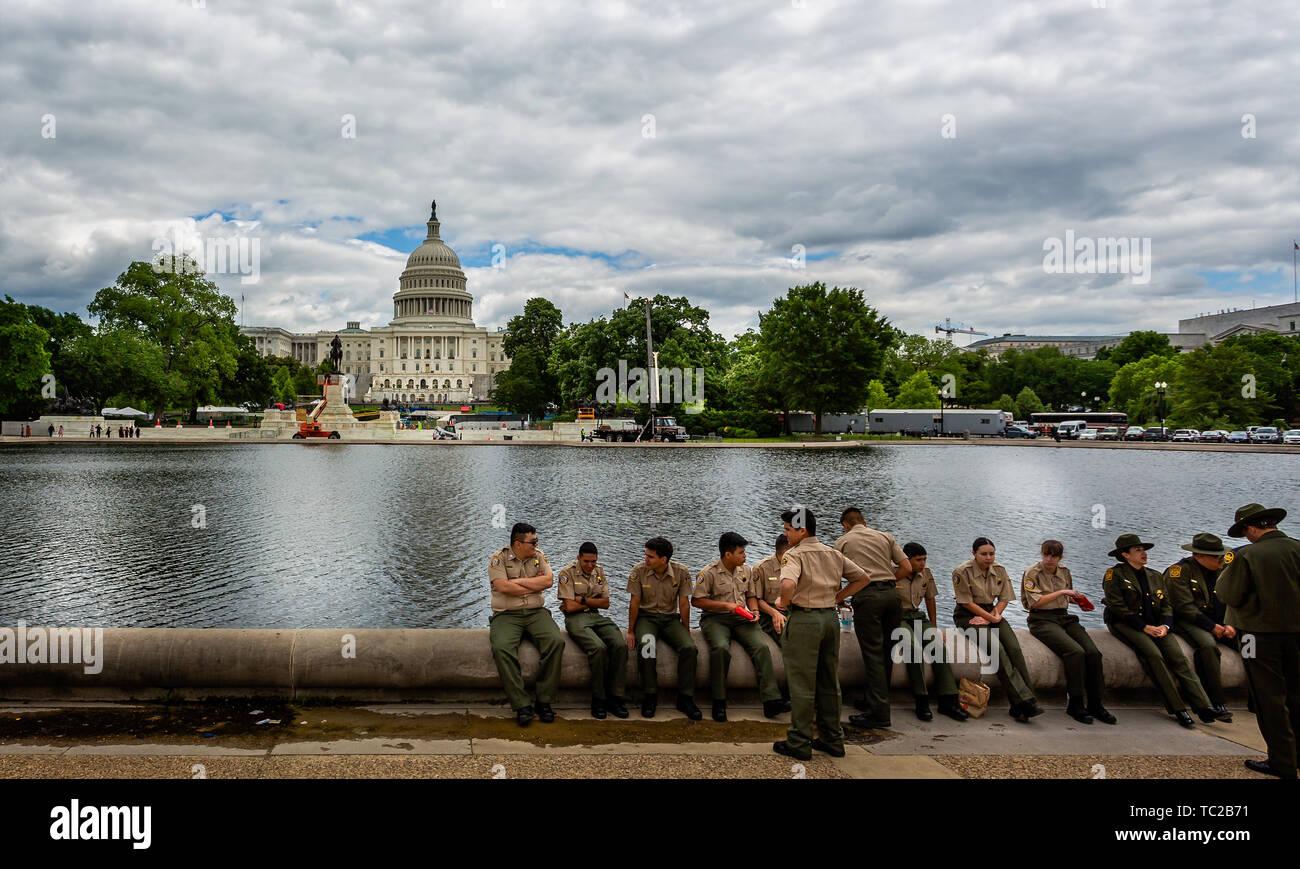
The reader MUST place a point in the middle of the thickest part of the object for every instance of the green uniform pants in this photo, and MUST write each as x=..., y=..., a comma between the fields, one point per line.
x=1000, y=641
x=606, y=650
x=877, y=612
x=505, y=631
x=1163, y=661
x=1206, y=656
x=718, y=630
x=812, y=664
x=665, y=628
x=1061, y=632
x=765, y=622
x=920, y=636
x=1274, y=674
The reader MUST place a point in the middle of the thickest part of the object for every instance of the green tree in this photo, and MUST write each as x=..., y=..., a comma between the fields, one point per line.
x=1027, y=403
x=282, y=387
x=1137, y=346
x=536, y=328
x=823, y=348
x=181, y=319
x=24, y=361
x=520, y=388
x=1133, y=391
x=1211, y=392
x=1007, y=403
x=877, y=398
x=915, y=353
x=918, y=393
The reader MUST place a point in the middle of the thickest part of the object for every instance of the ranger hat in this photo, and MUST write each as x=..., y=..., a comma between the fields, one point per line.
x=1257, y=512
x=1127, y=541
x=1205, y=544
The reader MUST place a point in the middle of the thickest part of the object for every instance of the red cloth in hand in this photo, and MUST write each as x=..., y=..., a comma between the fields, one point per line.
x=744, y=613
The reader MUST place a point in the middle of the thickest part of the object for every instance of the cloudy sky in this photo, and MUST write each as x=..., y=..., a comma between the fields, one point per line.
x=922, y=151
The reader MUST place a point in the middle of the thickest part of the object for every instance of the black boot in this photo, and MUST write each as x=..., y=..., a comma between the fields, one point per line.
x=773, y=708
x=1102, y=714
x=1222, y=713
x=617, y=707
x=686, y=705
x=719, y=710
x=1183, y=717
x=1074, y=709
x=597, y=708
x=648, y=704
x=923, y=709
x=951, y=706
x=545, y=713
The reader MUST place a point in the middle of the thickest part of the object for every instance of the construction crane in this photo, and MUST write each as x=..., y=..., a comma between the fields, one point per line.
x=947, y=326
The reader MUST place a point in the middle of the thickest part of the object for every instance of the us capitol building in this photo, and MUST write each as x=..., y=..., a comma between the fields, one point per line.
x=430, y=352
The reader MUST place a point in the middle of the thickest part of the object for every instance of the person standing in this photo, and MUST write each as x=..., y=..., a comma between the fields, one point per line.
x=1046, y=591
x=982, y=590
x=1139, y=614
x=877, y=609
x=918, y=632
x=660, y=610
x=724, y=591
x=767, y=588
x=584, y=592
x=810, y=589
x=1199, y=616
x=1260, y=584
x=519, y=574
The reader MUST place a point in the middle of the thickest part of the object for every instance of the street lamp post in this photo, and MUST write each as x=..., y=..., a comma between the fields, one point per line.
x=1161, y=386
x=1084, y=396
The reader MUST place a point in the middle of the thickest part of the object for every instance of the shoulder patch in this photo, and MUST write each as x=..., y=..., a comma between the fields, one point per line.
x=1228, y=556
x=1176, y=571
x=564, y=577
x=1110, y=574
x=496, y=561
x=1029, y=584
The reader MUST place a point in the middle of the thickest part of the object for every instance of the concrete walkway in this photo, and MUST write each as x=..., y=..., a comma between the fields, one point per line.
x=107, y=740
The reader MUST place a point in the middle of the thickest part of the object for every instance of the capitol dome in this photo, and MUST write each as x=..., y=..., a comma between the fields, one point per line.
x=432, y=286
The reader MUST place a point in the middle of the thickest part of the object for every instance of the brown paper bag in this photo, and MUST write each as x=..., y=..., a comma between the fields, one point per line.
x=973, y=696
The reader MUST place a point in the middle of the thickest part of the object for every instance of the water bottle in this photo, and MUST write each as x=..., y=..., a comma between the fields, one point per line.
x=846, y=617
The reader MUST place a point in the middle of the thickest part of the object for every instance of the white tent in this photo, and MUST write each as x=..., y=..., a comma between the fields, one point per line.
x=124, y=412
x=211, y=410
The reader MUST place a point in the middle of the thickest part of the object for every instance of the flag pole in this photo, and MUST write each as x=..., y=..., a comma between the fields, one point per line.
x=1295, y=296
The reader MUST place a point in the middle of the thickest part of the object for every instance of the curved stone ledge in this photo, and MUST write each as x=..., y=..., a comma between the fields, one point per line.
x=410, y=664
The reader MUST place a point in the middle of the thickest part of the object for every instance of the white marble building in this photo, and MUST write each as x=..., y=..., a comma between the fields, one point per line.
x=430, y=352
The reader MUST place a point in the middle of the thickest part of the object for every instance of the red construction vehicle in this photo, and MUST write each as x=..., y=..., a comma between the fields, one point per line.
x=310, y=428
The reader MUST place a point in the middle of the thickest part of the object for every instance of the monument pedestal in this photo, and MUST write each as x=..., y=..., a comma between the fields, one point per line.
x=73, y=426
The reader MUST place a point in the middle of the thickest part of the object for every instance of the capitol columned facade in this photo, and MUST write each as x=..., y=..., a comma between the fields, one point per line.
x=429, y=353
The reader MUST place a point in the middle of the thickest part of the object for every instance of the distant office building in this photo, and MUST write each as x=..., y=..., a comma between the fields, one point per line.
x=1216, y=327
x=430, y=352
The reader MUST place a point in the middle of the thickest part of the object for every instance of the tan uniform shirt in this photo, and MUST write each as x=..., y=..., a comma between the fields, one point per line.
x=506, y=565
x=972, y=585
x=730, y=587
x=572, y=583
x=816, y=570
x=1037, y=582
x=876, y=552
x=915, y=589
x=767, y=579
x=660, y=592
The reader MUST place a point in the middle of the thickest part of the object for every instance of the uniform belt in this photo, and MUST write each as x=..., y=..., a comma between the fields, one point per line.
x=811, y=609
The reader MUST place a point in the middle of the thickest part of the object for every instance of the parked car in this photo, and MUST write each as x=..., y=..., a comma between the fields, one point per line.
x=1214, y=436
x=1264, y=434
x=1109, y=433
x=1238, y=437
x=1291, y=436
x=1070, y=429
x=1156, y=433
x=1187, y=435
x=1135, y=433
x=1016, y=431
x=1089, y=434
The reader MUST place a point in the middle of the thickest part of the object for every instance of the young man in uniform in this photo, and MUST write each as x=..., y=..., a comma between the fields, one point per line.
x=877, y=609
x=519, y=574
x=660, y=611
x=1199, y=615
x=583, y=593
x=767, y=588
x=915, y=590
x=1260, y=584
x=810, y=589
x=724, y=591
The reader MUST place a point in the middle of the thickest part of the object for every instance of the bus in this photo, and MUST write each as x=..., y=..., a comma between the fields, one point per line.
x=1044, y=422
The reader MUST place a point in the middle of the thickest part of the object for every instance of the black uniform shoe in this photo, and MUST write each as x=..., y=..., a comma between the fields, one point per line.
x=923, y=709
x=783, y=747
x=1262, y=766
x=951, y=707
x=1018, y=712
x=687, y=707
x=868, y=723
x=1207, y=715
x=545, y=713
x=1184, y=718
x=1102, y=714
x=818, y=745
x=597, y=708
x=648, y=705
x=1075, y=710
x=1222, y=713
x=773, y=708
x=617, y=707
x=524, y=716
x=1032, y=708
x=719, y=710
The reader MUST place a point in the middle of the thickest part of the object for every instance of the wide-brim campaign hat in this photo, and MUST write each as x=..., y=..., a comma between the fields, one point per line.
x=1205, y=544
x=1254, y=512
x=1127, y=541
